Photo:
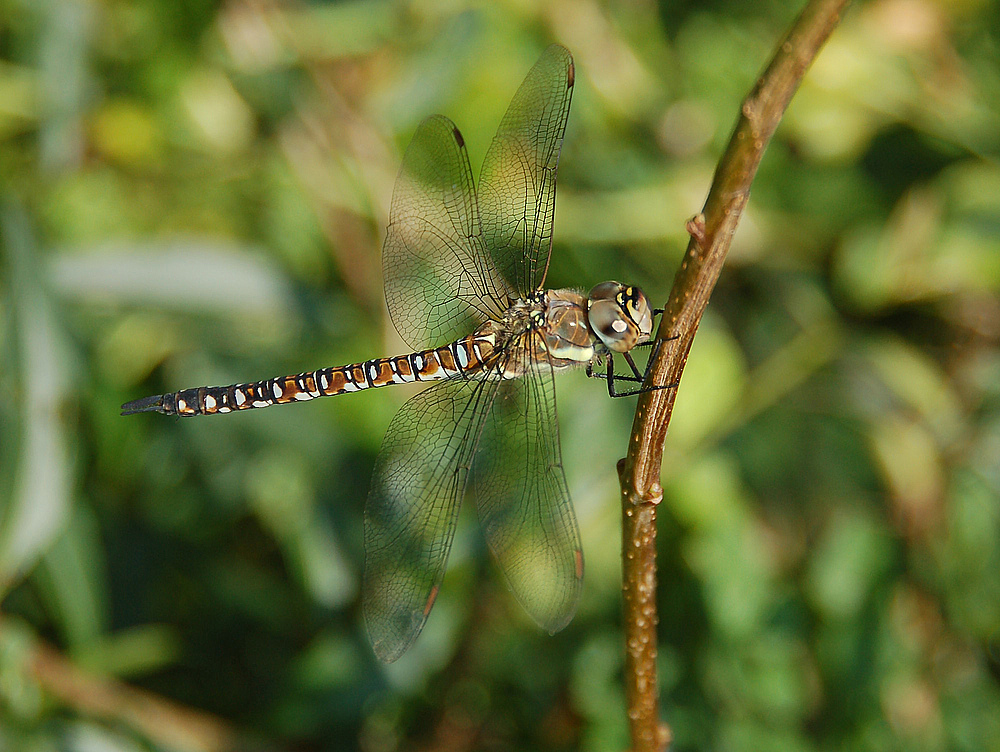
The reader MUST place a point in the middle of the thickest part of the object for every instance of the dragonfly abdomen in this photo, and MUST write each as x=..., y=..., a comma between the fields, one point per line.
x=459, y=359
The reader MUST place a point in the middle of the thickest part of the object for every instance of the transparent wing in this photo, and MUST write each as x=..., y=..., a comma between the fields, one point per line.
x=517, y=187
x=440, y=282
x=417, y=485
x=524, y=504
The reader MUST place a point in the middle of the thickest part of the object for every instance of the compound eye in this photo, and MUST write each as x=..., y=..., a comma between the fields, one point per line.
x=606, y=291
x=615, y=329
x=637, y=308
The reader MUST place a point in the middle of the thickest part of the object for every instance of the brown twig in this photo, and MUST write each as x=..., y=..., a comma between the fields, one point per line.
x=711, y=233
x=163, y=722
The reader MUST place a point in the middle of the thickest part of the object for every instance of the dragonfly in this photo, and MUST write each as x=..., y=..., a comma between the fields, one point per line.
x=467, y=268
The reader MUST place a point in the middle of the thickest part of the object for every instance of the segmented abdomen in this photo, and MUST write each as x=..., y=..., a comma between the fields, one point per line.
x=466, y=357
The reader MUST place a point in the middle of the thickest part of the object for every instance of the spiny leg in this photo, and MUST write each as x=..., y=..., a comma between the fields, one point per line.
x=638, y=378
x=631, y=363
x=610, y=377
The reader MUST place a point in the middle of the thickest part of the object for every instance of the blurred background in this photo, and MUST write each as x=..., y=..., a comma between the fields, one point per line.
x=195, y=192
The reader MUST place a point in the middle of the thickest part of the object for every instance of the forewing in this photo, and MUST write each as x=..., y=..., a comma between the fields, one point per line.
x=440, y=282
x=417, y=486
x=523, y=500
x=517, y=187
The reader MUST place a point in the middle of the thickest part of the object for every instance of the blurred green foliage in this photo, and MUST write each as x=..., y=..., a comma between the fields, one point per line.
x=195, y=192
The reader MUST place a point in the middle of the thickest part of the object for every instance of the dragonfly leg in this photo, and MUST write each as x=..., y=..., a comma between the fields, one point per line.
x=639, y=378
x=631, y=363
x=610, y=376
x=656, y=342
x=643, y=390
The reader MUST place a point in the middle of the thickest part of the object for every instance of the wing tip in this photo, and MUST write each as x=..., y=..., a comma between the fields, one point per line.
x=388, y=651
x=389, y=645
x=559, y=51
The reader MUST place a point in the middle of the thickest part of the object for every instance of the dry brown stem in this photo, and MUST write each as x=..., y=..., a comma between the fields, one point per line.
x=164, y=723
x=711, y=233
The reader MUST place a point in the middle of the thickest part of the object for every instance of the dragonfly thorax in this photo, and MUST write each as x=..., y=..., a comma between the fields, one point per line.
x=560, y=329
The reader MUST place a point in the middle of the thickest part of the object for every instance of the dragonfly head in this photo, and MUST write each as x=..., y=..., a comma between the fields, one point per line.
x=620, y=315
